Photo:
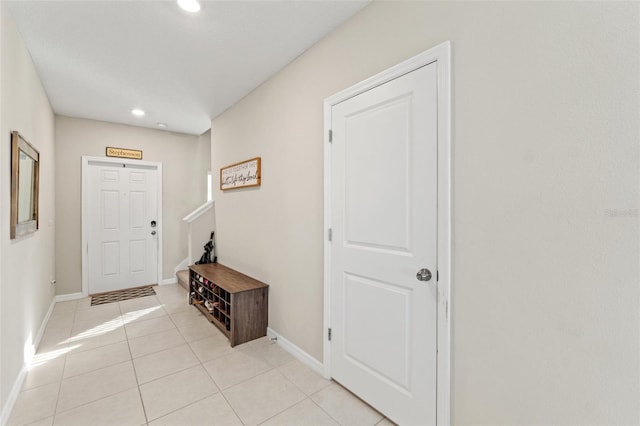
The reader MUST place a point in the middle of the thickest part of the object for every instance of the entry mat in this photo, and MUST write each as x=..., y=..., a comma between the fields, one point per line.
x=120, y=295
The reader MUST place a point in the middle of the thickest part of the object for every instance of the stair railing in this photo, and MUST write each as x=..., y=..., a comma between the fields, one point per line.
x=190, y=218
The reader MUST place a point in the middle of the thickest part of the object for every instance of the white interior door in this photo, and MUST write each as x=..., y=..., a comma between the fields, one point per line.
x=384, y=227
x=122, y=226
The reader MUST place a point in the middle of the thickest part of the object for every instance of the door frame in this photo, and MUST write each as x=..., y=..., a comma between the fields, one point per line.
x=441, y=55
x=85, y=220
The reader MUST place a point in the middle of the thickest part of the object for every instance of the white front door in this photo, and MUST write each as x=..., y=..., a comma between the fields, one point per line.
x=122, y=225
x=384, y=231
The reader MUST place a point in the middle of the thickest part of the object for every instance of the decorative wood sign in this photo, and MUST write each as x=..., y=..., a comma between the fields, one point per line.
x=124, y=153
x=240, y=175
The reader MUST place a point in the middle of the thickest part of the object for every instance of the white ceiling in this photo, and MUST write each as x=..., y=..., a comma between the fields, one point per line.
x=100, y=59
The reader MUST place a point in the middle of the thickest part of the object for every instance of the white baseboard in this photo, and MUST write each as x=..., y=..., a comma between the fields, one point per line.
x=43, y=326
x=67, y=297
x=17, y=385
x=298, y=353
x=169, y=281
x=13, y=395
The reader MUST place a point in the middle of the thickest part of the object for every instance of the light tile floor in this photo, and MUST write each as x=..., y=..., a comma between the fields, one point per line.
x=157, y=361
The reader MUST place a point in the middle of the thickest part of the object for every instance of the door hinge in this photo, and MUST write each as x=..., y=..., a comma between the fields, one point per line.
x=437, y=275
x=330, y=135
x=329, y=334
x=330, y=234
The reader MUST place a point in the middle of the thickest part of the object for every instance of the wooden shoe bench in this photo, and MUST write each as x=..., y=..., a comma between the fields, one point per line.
x=235, y=303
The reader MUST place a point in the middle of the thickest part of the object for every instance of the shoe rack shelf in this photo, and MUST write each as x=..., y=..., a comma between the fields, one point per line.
x=233, y=302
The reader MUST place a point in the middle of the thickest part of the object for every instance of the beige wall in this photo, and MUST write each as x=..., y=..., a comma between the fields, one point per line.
x=185, y=162
x=546, y=174
x=26, y=263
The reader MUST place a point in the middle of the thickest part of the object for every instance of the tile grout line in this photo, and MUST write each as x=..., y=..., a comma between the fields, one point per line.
x=166, y=375
x=182, y=408
x=94, y=401
x=97, y=369
x=288, y=408
x=103, y=366
x=135, y=372
x=323, y=410
x=199, y=363
x=222, y=392
x=241, y=381
x=159, y=350
x=56, y=411
x=64, y=366
x=276, y=368
x=298, y=387
x=253, y=377
x=350, y=393
x=299, y=402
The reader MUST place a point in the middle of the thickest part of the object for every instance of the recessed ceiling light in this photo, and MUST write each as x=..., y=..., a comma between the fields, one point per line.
x=192, y=6
x=137, y=112
x=162, y=125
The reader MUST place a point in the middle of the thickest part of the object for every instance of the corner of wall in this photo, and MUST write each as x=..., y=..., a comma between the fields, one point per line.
x=7, y=407
x=25, y=307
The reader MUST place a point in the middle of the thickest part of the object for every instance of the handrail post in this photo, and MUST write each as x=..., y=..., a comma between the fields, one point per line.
x=189, y=246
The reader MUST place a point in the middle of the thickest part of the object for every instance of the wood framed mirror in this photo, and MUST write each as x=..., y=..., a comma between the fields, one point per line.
x=25, y=181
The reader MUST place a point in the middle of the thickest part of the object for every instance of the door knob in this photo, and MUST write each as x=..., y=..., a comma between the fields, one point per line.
x=423, y=274
x=153, y=232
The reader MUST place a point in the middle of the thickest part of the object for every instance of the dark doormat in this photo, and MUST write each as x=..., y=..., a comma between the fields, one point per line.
x=120, y=295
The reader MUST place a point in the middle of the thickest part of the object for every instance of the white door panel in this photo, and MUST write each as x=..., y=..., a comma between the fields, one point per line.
x=373, y=127
x=384, y=223
x=365, y=322
x=137, y=252
x=122, y=202
x=137, y=213
x=110, y=210
x=110, y=258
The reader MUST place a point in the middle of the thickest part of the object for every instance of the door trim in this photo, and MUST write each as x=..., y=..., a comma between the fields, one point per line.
x=441, y=54
x=85, y=222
